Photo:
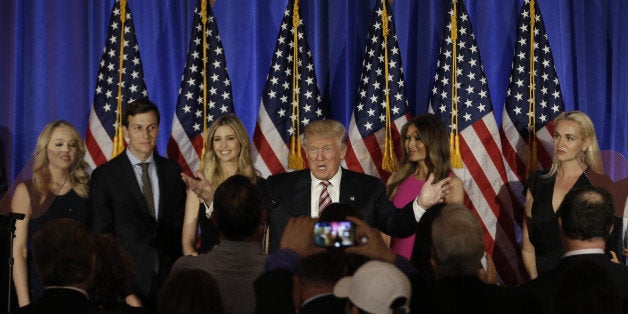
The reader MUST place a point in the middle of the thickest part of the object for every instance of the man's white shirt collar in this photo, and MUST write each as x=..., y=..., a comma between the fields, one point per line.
x=316, y=188
x=583, y=251
x=134, y=160
x=335, y=180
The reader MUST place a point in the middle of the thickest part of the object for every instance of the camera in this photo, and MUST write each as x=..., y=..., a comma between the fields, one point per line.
x=334, y=234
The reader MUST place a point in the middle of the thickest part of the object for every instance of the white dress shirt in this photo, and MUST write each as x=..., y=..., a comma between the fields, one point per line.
x=152, y=174
x=333, y=189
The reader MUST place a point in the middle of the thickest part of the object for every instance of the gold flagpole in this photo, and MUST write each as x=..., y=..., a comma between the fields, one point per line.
x=389, y=160
x=118, y=139
x=532, y=156
x=295, y=160
x=454, y=135
x=205, y=135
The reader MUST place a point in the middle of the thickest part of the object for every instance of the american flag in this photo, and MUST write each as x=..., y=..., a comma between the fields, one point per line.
x=483, y=173
x=274, y=123
x=102, y=117
x=367, y=130
x=547, y=102
x=186, y=140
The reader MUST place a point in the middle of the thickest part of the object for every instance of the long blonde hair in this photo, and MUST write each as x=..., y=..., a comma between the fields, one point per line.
x=78, y=176
x=211, y=169
x=592, y=156
x=434, y=136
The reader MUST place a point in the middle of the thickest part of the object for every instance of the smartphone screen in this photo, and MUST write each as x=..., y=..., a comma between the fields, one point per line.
x=333, y=234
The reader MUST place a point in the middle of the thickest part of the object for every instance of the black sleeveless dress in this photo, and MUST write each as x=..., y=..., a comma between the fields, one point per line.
x=68, y=205
x=209, y=235
x=545, y=233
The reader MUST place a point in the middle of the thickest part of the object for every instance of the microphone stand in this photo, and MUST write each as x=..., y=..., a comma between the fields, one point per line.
x=270, y=204
x=10, y=220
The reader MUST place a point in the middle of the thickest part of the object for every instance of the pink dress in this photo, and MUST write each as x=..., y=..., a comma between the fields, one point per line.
x=407, y=192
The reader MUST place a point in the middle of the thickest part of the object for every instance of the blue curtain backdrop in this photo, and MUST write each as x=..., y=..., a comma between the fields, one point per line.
x=50, y=50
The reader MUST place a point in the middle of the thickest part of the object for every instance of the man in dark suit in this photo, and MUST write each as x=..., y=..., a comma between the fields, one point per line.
x=310, y=289
x=307, y=192
x=585, y=218
x=64, y=255
x=139, y=198
x=457, y=251
x=300, y=277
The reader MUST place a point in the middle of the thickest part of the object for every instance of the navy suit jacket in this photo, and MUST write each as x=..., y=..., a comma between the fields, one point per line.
x=273, y=294
x=290, y=196
x=116, y=206
x=539, y=295
x=457, y=294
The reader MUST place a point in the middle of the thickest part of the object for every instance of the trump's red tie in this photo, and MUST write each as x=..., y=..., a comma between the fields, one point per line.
x=325, y=199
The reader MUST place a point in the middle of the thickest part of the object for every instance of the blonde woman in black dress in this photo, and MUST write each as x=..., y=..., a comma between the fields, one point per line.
x=58, y=189
x=577, y=162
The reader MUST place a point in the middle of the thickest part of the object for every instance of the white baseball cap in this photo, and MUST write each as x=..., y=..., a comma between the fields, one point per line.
x=374, y=287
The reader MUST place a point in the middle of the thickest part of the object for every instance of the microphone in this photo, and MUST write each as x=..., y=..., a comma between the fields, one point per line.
x=274, y=204
x=16, y=216
x=270, y=201
x=7, y=222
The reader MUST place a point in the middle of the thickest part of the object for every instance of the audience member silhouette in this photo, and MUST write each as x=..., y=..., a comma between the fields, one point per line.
x=112, y=278
x=64, y=255
x=298, y=276
x=422, y=249
x=458, y=248
x=314, y=283
x=376, y=287
x=340, y=212
x=190, y=291
x=239, y=258
x=585, y=218
x=587, y=288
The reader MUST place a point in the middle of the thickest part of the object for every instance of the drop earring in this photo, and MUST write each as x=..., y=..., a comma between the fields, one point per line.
x=582, y=158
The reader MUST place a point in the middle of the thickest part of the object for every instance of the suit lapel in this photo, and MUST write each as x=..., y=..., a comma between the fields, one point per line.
x=302, y=197
x=161, y=177
x=127, y=173
x=348, y=188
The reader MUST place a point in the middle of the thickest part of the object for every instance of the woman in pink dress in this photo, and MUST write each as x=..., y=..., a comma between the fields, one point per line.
x=425, y=151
